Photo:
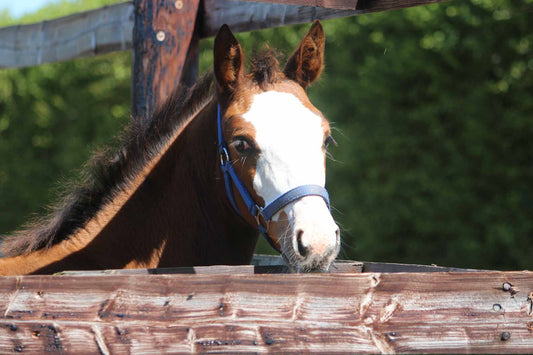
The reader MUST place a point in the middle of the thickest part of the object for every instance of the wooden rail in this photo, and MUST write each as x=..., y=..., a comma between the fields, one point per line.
x=257, y=16
x=268, y=264
x=109, y=28
x=83, y=34
x=331, y=4
x=351, y=313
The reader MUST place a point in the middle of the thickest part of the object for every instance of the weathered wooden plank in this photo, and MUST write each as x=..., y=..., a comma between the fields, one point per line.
x=270, y=264
x=161, y=38
x=82, y=34
x=373, y=312
x=338, y=268
x=366, y=266
x=110, y=28
x=249, y=16
x=331, y=4
x=369, y=266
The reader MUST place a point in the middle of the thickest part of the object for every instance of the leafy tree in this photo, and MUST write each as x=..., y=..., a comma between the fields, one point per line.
x=435, y=115
x=51, y=117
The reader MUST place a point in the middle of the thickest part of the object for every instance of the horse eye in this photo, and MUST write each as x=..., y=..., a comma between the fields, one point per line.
x=242, y=145
x=329, y=140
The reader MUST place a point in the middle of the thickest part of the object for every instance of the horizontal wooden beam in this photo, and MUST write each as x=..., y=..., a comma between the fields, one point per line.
x=483, y=312
x=269, y=264
x=83, y=34
x=109, y=29
x=331, y=4
x=339, y=268
x=245, y=16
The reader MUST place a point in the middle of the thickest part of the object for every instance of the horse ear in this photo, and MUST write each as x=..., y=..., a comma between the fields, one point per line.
x=228, y=60
x=306, y=63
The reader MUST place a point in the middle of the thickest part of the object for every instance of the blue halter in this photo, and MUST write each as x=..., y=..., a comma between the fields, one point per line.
x=262, y=215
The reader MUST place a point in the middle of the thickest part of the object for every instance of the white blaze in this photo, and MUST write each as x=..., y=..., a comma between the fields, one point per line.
x=290, y=138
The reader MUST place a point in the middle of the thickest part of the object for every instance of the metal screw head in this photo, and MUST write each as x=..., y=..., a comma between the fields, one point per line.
x=160, y=35
x=505, y=336
x=178, y=4
x=506, y=286
x=496, y=307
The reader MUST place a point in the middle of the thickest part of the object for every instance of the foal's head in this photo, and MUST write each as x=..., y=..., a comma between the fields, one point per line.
x=277, y=141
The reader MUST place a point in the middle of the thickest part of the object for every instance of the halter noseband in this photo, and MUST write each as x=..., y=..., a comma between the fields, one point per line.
x=262, y=215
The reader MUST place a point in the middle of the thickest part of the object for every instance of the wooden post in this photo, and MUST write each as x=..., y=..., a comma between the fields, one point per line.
x=164, y=48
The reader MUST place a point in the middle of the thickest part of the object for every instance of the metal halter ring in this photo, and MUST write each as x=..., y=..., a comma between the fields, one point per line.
x=224, y=156
x=260, y=219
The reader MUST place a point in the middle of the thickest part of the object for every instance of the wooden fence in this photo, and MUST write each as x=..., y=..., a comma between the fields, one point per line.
x=249, y=309
x=154, y=28
x=358, y=308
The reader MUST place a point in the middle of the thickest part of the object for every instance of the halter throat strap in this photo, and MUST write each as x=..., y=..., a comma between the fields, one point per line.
x=262, y=215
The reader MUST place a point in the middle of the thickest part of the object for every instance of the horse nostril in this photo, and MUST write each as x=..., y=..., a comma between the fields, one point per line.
x=302, y=250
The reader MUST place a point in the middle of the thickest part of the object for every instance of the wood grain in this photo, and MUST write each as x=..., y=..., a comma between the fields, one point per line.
x=109, y=28
x=161, y=39
x=83, y=34
x=250, y=16
x=363, y=313
x=269, y=264
x=331, y=4
x=339, y=268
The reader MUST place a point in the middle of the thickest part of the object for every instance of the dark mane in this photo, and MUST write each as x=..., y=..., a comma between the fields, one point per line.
x=110, y=171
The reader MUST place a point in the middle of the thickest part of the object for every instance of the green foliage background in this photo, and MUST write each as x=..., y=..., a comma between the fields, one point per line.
x=433, y=113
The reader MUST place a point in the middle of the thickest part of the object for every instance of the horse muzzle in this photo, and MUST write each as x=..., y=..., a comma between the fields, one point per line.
x=308, y=235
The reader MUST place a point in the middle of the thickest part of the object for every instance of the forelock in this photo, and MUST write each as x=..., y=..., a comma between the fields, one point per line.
x=264, y=68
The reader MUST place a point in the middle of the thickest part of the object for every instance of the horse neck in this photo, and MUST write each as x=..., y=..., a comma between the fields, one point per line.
x=177, y=216
x=205, y=229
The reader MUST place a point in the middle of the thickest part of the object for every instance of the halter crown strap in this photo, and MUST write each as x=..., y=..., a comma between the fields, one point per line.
x=261, y=215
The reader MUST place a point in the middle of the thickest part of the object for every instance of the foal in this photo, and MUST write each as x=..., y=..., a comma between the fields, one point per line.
x=194, y=185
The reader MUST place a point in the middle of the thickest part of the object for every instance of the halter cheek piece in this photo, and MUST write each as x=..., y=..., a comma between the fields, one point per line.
x=262, y=215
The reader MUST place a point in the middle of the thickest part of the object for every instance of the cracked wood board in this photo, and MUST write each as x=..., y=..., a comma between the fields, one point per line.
x=354, y=313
